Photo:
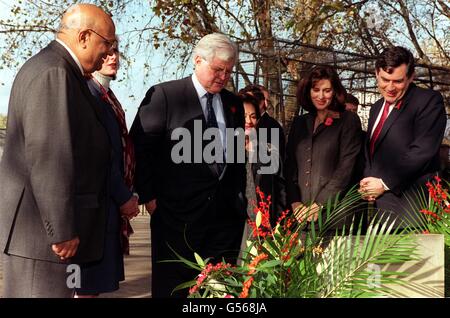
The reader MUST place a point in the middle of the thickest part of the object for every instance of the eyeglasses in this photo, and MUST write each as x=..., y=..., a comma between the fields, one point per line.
x=111, y=44
x=219, y=70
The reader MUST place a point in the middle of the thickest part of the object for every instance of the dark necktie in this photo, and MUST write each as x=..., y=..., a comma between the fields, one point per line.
x=377, y=131
x=211, y=122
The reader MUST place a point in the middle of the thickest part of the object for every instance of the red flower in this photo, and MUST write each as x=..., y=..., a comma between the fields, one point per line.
x=233, y=109
x=431, y=213
x=328, y=121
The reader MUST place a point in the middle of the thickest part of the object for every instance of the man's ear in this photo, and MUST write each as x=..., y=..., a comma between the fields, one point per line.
x=83, y=38
x=197, y=60
x=411, y=78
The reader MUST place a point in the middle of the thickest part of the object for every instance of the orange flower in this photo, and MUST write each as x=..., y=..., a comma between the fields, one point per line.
x=247, y=284
x=255, y=262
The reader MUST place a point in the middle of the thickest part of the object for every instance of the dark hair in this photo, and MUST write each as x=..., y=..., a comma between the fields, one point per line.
x=316, y=74
x=351, y=99
x=255, y=91
x=393, y=57
x=262, y=88
x=247, y=98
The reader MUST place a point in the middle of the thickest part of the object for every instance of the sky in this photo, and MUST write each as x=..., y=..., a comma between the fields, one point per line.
x=130, y=91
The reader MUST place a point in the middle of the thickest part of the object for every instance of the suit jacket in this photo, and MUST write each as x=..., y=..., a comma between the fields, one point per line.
x=320, y=164
x=406, y=153
x=272, y=184
x=55, y=161
x=189, y=195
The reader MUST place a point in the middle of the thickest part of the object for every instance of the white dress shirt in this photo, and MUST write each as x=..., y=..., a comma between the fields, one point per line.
x=391, y=107
x=217, y=106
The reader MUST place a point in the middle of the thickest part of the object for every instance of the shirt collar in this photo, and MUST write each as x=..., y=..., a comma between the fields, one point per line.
x=201, y=91
x=71, y=54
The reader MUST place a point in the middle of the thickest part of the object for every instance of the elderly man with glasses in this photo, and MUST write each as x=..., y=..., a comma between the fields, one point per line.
x=55, y=162
x=195, y=206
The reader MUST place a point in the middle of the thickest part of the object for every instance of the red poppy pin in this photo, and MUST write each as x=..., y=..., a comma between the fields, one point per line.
x=233, y=109
x=328, y=121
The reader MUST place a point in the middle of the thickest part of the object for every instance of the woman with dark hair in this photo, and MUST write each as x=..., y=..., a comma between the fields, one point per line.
x=252, y=115
x=322, y=144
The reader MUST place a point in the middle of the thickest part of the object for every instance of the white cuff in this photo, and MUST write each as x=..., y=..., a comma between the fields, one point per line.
x=384, y=185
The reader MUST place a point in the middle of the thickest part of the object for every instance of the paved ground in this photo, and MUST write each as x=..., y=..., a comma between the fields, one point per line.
x=137, y=264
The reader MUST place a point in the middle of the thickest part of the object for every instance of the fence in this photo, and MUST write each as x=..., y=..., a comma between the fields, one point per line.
x=279, y=64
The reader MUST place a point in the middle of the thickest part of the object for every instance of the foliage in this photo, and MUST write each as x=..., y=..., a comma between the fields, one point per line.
x=434, y=216
x=434, y=208
x=288, y=261
x=2, y=121
x=359, y=26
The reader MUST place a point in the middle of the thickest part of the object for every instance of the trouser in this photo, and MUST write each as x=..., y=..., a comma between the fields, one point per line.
x=29, y=278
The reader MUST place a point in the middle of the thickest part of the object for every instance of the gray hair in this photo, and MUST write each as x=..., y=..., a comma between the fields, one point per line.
x=216, y=45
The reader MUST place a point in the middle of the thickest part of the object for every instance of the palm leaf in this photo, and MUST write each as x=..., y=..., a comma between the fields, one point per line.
x=346, y=260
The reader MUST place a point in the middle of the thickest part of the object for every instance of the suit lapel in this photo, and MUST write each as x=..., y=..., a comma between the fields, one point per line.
x=195, y=110
x=393, y=116
x=373, y=116
x=322, y=126
x=226, y=104
x=193, y=106
x=387, y=125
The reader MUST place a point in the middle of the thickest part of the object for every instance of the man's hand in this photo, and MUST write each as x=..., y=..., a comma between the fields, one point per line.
x=151, y=206
x=130, y=209
x=66, y=249
x=303, y=212
x=371, y=188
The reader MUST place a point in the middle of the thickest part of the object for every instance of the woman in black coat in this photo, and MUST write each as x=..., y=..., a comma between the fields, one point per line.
x=322, y=145
x=104, y=275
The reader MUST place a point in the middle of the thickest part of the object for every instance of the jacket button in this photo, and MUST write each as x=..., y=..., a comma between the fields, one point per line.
x=307, y=172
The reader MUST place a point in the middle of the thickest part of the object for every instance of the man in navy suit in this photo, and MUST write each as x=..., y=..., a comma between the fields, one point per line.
x=405, y=131
x=196, y=205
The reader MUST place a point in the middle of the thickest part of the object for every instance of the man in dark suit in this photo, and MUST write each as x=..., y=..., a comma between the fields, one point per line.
x=55, y=162
x=196, y=205
x=404, y=134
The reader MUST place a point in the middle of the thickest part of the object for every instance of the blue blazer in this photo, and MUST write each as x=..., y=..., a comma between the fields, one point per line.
x=118, y=190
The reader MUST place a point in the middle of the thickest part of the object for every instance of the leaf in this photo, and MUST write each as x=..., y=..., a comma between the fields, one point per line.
x=269, y=264
x=199, y=260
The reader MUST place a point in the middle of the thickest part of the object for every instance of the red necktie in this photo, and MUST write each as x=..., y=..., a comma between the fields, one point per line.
x=377, y=131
